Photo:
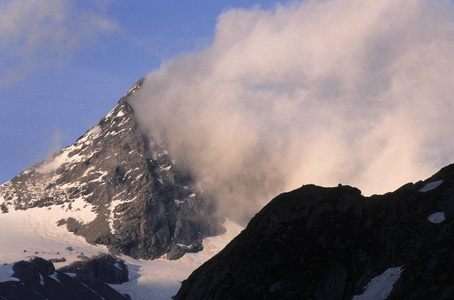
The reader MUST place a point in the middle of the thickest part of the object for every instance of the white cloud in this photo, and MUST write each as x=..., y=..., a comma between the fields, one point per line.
x=350, y=91
x=33, y=30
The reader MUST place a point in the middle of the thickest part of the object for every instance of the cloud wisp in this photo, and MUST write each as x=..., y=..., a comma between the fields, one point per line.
x=326, y=92
x=32, y=31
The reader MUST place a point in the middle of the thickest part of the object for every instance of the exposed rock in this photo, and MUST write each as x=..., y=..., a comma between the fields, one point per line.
x=331, y=243
x=177, y=251
x=104, y=268
x=30, y=271
x=120, y=188
x=37, y=279
x=56, y=260
x=4, y=208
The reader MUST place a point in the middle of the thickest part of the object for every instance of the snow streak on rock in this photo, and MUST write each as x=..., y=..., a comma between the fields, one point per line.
x=437, y=217
x=380, y=287
x=430, y=186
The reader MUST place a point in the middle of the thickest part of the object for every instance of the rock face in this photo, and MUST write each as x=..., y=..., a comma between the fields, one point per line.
x=37, y=279
x=104, y=268
x=120, y=188
x=333, y=243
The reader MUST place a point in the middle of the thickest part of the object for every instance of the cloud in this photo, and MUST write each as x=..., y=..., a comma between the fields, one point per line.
x=326, y=92
x=56, y=142
x=33, y=30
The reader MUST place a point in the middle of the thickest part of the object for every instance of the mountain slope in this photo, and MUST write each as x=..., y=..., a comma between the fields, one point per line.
x=31, y=232
x=119, y=187
x=333, y=243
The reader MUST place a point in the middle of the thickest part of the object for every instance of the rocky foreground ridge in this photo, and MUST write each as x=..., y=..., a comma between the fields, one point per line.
x=37, y=279
x=118, y=186
x=333, y=243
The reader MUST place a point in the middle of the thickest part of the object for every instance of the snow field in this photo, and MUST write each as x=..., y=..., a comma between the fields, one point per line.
x=34, y=232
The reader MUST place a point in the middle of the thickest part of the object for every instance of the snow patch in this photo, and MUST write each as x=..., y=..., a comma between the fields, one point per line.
x=380, y=287
x=54, y=277
x=35, y=232
x=62, y=158
x=437, y=217
x=161, y=278
x=53, y=164
x=113, y=133
x=93, y=132
x=430, y=186
x=82, y=211
x=109, y=115
x=178, y=202
x=123, y=121
x=133, y=170
x=120, y=114
x=67, y=186
x=132, y=90
x=6, y=273
x=87, y=171
x=112, y=207
x=101, y=176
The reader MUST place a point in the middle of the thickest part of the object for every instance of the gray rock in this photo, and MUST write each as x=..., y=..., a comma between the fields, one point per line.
x=145, y=203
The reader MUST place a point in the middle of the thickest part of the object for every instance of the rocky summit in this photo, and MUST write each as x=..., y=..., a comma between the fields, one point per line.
x=333, y=243
x=118, y=186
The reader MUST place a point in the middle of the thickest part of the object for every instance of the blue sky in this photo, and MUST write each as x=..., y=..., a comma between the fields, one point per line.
x=52, y=91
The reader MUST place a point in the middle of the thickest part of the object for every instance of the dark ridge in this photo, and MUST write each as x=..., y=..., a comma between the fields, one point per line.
x=37, y=279
x=329, y=243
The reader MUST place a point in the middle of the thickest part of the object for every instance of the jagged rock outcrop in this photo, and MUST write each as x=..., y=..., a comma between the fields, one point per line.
x=103, y=267
x=333, y=243
x=38, y=279
x=120, y=188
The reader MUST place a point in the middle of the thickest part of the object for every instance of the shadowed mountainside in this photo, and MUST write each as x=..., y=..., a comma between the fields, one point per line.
x=333, y=243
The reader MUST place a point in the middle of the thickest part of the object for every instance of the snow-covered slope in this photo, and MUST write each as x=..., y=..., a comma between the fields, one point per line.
x=33, y=232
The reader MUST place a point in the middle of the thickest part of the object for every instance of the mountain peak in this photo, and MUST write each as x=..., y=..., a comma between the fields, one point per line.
x=134, y=88
x=118, y=187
